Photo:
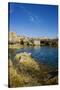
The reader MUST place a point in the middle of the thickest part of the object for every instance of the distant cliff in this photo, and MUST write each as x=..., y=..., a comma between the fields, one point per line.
x=23, y=40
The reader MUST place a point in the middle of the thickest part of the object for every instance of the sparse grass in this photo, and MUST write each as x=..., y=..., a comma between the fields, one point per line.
x=52, y=81
x=22, y=79
x=28, y=72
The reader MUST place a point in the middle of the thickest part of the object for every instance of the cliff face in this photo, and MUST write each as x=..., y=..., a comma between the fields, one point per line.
x=36, y=42
x=12, y=37
x=22, y=40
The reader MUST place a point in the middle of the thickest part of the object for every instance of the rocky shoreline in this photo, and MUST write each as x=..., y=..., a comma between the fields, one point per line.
x=16, y=41
x=25, y=71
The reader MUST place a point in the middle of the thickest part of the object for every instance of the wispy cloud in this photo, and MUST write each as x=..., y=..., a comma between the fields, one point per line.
x=32, y=18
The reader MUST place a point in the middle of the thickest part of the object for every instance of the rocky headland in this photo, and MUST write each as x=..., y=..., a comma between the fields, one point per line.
x=25, y=71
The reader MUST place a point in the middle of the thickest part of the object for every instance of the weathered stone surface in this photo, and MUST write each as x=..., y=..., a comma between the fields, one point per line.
x=22, y=40
x=12, y=37
x=36, y=42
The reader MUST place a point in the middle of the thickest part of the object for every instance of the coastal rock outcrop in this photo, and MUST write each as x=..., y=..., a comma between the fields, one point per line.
x=27, y=60
x=25, y=71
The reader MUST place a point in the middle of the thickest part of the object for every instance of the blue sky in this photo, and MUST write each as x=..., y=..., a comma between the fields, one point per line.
x=33, y=20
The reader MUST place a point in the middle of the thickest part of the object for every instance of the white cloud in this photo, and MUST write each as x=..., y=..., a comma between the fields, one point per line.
x=31, y=18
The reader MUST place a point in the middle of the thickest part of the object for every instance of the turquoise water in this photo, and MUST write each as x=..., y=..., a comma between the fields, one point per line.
x=46, y=55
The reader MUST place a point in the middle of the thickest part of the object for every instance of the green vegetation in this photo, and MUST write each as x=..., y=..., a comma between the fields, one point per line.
x=18, y=41
x=25, y=71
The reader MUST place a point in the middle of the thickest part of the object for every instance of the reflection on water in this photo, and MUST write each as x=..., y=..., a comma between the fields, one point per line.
x=46, y=55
